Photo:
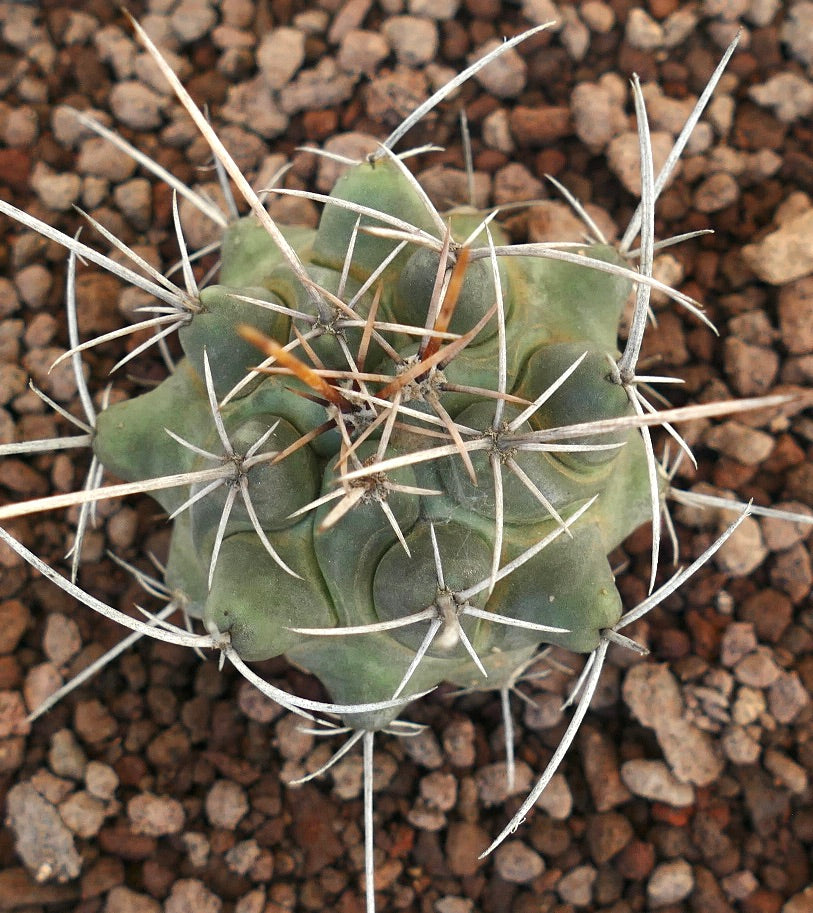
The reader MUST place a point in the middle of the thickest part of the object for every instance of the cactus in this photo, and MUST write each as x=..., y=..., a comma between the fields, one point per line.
x=423, y=479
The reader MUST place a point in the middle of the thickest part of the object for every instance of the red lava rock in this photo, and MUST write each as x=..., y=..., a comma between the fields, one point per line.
x=540, y=126
x=94, y=722
x=636, y=860
x=464, y=843
x=607, y=834
x=14, y=619
x=313, y=816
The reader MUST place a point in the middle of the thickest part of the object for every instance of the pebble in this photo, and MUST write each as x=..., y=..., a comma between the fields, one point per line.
x=516, y=862
x=751, y=369
x=12, y=714
x=190, y=895
x=424, y=749
x=740, y=746
x=636, y=860
x=136, y=105
x=101, y=780
x=575, y=35
x=280, y=54
x=556, y=799
x=66, y=756
x=464, y=843
x=21, y=127
x=134, y=200
x=786, y=770
x=355, y=146
x=93, y=722
x=57, y=192
x=496, y=131
x=492, y=782
x=197, y=848
x=598, y=115
x=242, y=856
x=534, y=126
x=255, y=705
x=226, y=804
x=324, y=86
x=42, y=839
x=796, y=316
x=797, y=31
x=716, y=192
x=41, y=681
x=155, y=816
x=192, y=19
x=414, y=40
x=361, y=51
x=670, y=883
x=61, y=641
x=743, y=553
x=515, y=184
x=792, y=573
x=785, y=254
x=607, y=834
x=14, y=620
x=100, y=158
x=441, y=10
x=758, y=669
x=600, y=760
x=350, y=15
x=802, y=902
x=252, y=105
x=439, y=790
x=652, y=694
x=787, y=697
x=623, y=155
x=451, y=904
x=737, y=641
x=504, y=76
x=576, y=887
x=746, y=445
x=84, y=814
x=653, y=780
x=458, y=742
x=642, y=31
x=739, y=885
x=122, y=900
x=749, y=704
x=788, y=95
x=33, y=284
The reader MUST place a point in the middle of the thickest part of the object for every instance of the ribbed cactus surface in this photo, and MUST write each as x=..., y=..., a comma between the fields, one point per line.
x=428, y=369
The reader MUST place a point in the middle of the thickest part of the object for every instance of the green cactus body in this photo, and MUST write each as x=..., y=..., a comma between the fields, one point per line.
x=355, y=571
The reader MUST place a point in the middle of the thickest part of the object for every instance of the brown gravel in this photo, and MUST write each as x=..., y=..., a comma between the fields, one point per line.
x=156, y=787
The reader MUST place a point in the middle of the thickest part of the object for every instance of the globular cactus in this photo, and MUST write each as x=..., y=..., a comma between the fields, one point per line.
x=422, y=481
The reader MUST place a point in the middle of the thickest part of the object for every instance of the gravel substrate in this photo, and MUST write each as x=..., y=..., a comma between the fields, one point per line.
x=158, y=785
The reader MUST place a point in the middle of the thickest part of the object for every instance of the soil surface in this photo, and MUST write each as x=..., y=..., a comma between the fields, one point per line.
x=159, y=784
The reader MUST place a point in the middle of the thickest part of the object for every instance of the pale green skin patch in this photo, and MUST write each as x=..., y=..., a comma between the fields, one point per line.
x=356, y=572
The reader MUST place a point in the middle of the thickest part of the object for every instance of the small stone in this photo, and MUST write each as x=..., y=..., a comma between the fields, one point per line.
x=598, y=116
x=242, y=856
x=61, y=641
x=739, y=746
x=786, y=254
x=751, y=369
x=739, y=885
x=556, y=799
x=252, y=105
x=136, y=105
x=515, y=184
x=197, y=848
x=623, y=154
x=496, y=131
x=442, y=10
x=748, y=446
x=748, y=705
x=42, y=840
x=349, y=15
x=492, y=782
x=504, y=76
x=33, y=284
x=458, y=742
x=65, y=756
x=12, y=715
x=191, y=20
x=789, y=95
x=716, y=192
x=797, y=31
x=280, y=54
x=451, y=904
x=94, y=722
x=14, y=620
x=642, y=31
x=21, y=127
x=361, y=51
x=122, y=900
x=786, y=770
x=803, y=901
x=464, y=843
x=101, y=780
x=534, y=126
x=607, y=834
x=226, y=804
x=190, y=895
x=414, y=40
x=653, y=780
x=796, y=316
x=83, y=814
x=516, y=862
x=758, y=669
x=743, y=553
x=155, y=816
x=600, y=760
x=670, y=883
x=134, y=199
x=599, y=17
x=576, y=887
x=41, y=681
x=98, y=157
x=57, y=192
x=321, y=87
x=439, y=790
x=424, y=749
x=787, y=697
